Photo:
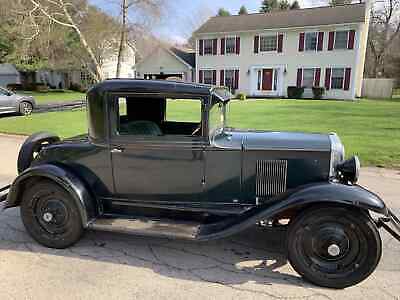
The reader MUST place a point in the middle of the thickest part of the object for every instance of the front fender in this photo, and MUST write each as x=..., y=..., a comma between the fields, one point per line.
x=85, y=202
x=300, y=198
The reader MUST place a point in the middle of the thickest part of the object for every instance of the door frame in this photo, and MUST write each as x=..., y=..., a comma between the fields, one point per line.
x=279, y=71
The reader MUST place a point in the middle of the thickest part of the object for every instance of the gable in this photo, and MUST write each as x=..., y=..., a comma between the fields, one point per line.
x=161, y=60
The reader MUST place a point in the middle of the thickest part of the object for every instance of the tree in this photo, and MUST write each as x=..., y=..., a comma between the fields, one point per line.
x=384, y=31
x=243, y=10
x=295, y=5
x=222, y=12
x=145, y=8
x=268, y=6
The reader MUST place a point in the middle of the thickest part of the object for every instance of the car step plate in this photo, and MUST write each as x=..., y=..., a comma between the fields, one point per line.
x=148, y=226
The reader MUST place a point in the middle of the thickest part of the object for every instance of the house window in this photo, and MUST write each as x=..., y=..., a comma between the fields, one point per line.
x=341, y=38
x=268, y=43
x=308, y=78
x=208, y=77
x=230, y=78
x=230, y=45
x=86, y=77
x=208, y=47
x=311, y=40
x=337, y=80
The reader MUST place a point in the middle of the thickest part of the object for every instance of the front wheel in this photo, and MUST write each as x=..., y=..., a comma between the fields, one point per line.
x=334, y=247
x=25, y=108
x=50, y=215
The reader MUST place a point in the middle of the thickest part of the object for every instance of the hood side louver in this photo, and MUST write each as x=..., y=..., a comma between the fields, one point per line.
x=271, y=177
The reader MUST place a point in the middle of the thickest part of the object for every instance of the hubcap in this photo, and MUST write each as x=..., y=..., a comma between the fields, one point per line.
x=47, y=217
x=27, y=108
x=334, y=250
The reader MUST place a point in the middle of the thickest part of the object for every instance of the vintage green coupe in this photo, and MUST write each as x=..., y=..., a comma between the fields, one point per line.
x=144, y=170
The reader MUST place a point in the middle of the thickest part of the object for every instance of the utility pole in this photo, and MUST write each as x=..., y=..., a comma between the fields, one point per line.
x=122, y=44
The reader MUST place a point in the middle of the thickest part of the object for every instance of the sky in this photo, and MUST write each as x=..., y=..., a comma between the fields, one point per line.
x=181, y=17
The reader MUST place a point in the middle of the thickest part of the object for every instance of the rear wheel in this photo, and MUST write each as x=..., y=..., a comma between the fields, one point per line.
x=334, y=247
x=25, y=108
x=50, y=215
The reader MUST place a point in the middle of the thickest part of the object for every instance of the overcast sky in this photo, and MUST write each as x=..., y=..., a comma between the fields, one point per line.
x=182, y=16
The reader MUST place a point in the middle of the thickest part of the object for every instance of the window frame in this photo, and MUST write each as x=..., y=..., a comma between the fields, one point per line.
x=211, y=71
x=316, y=41
x=268, y=36
x=234, y=45
x=113, y=112
x=212, y=46
x=313, y=77
x=347, y=39
x=331, y=79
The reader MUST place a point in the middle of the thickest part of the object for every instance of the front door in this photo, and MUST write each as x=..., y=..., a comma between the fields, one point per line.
x=267, y=79
x=158, y=161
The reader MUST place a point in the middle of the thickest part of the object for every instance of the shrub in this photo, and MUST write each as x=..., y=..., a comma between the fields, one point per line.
x=318, y=92
x=15, y=87
x=77, y=87
x=295, y=92
x=41, y=87
x=241, y=96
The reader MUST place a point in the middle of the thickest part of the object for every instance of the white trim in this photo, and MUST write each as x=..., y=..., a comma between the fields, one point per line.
x=180, y=59
x=227, y=37
x=279, y=80
x=278, y=29
x=347, y=41
x=268, y=35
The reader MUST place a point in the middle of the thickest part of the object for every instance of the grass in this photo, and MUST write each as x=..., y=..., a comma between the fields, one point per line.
x=55, y=96
x=368, y=128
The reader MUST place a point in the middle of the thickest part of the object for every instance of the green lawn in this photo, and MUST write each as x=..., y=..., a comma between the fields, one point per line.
x=368, y=128
x=54, y=96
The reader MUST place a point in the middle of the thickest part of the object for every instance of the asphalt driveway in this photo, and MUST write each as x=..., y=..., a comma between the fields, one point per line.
x=251, y=265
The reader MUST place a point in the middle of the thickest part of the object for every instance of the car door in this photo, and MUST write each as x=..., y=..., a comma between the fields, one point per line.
x=157, y=170
x=6, y=101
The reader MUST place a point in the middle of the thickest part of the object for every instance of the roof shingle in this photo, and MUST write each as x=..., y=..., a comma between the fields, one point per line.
x=345, y=14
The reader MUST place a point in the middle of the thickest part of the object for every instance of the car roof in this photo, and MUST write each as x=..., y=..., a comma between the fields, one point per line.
x=151, y=86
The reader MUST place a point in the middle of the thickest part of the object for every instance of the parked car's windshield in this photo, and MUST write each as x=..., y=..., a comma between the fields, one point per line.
x=217, y=117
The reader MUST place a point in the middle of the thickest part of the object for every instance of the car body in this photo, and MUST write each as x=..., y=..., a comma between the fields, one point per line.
x=145, y=169
x=11, y=102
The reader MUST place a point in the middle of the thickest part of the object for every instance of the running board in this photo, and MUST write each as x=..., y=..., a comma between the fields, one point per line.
x=147, y=226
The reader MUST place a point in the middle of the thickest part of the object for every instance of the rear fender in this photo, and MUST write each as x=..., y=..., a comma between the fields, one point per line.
x=321, y=193
x=86, y=203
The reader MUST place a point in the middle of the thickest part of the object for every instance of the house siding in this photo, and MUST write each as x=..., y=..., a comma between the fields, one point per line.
x=291, y=59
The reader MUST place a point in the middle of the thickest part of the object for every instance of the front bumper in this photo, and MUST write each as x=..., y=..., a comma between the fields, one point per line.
x=391, y=224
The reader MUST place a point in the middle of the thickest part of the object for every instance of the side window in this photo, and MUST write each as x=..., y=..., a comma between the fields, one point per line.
x=182, y=110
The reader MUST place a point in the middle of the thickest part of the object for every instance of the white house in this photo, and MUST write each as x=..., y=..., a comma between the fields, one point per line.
x=166, y=63
x=109, y=66
x=263, y=54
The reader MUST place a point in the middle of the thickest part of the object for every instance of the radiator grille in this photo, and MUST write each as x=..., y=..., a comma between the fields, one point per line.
x=271, y=177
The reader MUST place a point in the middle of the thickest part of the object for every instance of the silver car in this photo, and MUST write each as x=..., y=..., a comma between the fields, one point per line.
x=14, y=103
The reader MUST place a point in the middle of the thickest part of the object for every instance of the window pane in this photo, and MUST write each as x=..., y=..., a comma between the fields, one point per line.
x=268, y=43
x=341, y=39
x=208, y=46
x=337, y=78
x=208, y=77
x=230, y=45
x=179, y=110
x=311, y=40
x=308, y=78
x=229, y=78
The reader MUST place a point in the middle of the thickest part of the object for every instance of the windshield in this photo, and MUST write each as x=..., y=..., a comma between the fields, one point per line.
x=217, y=117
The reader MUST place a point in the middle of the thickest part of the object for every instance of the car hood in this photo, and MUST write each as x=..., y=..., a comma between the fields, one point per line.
x=271, y=140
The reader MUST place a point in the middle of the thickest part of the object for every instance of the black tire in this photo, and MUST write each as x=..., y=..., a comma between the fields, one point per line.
x=334, y=247
x=50, y=215
x=32, y=145
x=25, y=108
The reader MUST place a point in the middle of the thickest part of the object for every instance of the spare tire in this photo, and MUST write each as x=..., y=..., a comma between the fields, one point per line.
x=32, y=145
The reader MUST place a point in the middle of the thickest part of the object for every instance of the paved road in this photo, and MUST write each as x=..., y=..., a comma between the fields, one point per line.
x=251, y=265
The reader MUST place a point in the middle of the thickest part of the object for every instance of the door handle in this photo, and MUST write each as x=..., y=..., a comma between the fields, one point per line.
x=117, y=150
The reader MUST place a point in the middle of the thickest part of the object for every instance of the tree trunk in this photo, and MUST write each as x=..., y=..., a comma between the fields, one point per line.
x=123, y=38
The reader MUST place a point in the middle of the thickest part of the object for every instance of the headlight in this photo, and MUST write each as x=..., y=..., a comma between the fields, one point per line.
x=349, y=170
x=337, y=154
